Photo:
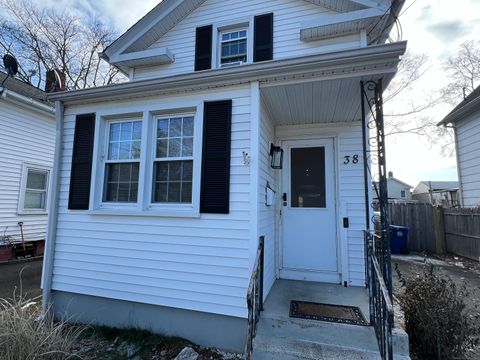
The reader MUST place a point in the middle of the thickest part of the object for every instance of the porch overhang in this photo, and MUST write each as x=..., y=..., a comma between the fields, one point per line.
x=378, y=60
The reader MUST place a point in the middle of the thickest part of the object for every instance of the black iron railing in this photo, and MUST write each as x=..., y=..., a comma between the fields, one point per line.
x=255, y=298
x=381, y=306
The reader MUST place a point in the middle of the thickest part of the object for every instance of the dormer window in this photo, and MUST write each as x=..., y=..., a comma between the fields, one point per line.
x=233, y=47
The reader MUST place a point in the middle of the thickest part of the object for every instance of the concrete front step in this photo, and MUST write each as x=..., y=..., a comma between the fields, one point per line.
x=290, y=338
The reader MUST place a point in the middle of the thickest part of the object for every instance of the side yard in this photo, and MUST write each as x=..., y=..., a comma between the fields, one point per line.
x=463, y=272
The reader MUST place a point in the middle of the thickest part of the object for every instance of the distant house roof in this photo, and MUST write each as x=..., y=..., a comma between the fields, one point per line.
x=23, y=88
x=441, y=185
x=470, y=104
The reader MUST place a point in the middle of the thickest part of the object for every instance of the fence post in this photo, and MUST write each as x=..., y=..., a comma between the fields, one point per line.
x=439, y=229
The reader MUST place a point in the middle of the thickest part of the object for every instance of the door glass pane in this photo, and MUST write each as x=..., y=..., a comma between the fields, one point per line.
x=307, y=176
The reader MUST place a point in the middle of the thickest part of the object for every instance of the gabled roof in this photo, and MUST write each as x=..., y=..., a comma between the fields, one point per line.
x=441, y=185
x=168, y=13
x=470, y=104
x=400, y=182
x=23, y=88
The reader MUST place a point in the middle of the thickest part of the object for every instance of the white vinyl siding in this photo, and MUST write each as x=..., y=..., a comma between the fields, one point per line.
x=468, y=149
x=26, y=136
x=198, y=264
x=288, y=15
x=266, y=216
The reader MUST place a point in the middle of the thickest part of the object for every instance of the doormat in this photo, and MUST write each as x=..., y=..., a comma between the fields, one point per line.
x=326, y=312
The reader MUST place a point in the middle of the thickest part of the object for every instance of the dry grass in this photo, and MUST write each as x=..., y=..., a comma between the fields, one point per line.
x=26, y=335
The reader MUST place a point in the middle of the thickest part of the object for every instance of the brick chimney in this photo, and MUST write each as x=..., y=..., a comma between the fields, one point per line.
x=55, y=81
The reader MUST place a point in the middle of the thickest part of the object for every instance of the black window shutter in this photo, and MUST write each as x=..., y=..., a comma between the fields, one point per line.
x=81, y=173
x=263, y=38
x=215, y=188
x=203, y=48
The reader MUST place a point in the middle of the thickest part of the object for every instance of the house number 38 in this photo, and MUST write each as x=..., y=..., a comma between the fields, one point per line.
x=350, y=159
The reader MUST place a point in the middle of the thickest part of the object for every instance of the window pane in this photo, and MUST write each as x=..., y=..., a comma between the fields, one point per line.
x=137, y=130
x=188, y=126
x=174, y=147
x=234, y=35
x=175, y=127
x=308, y=177
x=121, y=182
x=36, y=180
x=124, y=150
x=162, y=146
x=243, y=33
x=172, y=182
x=126, y=132
x=115, y=132
x=136, y=149
x=173, y=192
x=34, y=200
x=113, y=151
x=162, y=128
x=187, y=147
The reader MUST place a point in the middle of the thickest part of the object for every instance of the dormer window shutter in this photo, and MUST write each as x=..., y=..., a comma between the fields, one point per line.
x=215, y=184
x=203, y=48
x=263, y=38
x=81, y=172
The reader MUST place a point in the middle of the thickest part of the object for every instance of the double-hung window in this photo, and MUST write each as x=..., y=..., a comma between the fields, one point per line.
x=33, y=197
x=122, y=165
x=233, y=47
x=173, y=160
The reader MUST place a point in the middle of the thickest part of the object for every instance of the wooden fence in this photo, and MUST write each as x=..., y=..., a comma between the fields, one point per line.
x=420, y=222
x=462, y=232
x=438, y=230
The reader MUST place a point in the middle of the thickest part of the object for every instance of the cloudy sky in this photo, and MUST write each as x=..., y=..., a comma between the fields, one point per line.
x=433, y=27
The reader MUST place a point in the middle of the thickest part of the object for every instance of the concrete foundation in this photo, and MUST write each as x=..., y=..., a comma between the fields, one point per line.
x=212, y=330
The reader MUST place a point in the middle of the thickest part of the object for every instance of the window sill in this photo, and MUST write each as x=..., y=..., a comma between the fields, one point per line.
x=32, y=212
x=147, y=213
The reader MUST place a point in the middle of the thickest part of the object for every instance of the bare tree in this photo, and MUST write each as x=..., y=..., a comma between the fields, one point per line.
x=464, y=71
x=44, y=39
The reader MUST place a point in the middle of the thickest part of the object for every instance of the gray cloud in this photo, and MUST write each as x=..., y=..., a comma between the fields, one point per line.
x=450, y=30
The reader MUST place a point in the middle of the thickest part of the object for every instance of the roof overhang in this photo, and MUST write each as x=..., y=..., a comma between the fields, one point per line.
x=378, y=59
x=461, y=113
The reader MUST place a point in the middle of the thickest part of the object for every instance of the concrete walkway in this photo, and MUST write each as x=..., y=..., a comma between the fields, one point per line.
x=283, y=338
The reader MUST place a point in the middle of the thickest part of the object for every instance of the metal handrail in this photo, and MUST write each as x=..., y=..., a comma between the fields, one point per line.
x=255, y=298
x=381, y=304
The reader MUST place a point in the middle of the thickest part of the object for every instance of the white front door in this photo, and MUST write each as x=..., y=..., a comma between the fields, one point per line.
x=309, y=241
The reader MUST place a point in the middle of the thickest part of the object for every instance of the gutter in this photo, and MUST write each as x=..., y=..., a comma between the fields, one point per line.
x=47, y=271
x=27, y=101
x=323, y=64
x=464, y=111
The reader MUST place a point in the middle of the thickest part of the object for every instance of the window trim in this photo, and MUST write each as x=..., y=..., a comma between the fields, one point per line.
x=220, y=42
x=245, y=23
x=104, y=161
x=144, y=205
x=26, y=166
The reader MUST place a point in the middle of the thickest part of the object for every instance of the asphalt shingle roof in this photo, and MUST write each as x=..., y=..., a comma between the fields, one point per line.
x=23, y=88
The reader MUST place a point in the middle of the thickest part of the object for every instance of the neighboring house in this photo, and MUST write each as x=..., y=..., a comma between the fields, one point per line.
x=27, y=145
x=443, y=193
x=465, y=121
x=161, y=183
x=397, y=189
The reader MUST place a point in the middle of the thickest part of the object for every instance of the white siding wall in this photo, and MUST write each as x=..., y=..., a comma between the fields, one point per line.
x=25, y=136
x=192, y=263
x=266, y=218
x=468, y=148
x=288, y=15
x=351, y=189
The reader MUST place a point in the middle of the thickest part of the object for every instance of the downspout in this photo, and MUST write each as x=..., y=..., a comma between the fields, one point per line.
x=457, y=155
x=365, y=169
x=52, y=212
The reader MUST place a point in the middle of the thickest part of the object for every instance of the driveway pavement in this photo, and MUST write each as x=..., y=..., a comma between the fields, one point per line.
x=24, y=275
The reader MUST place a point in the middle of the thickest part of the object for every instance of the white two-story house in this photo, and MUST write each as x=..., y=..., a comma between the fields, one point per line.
x=241, y=121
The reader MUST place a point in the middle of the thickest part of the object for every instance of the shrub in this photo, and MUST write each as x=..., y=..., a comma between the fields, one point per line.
x=25, y=335
x=435, y=318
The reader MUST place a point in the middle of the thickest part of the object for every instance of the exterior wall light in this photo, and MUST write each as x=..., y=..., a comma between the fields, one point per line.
x=276, y=153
